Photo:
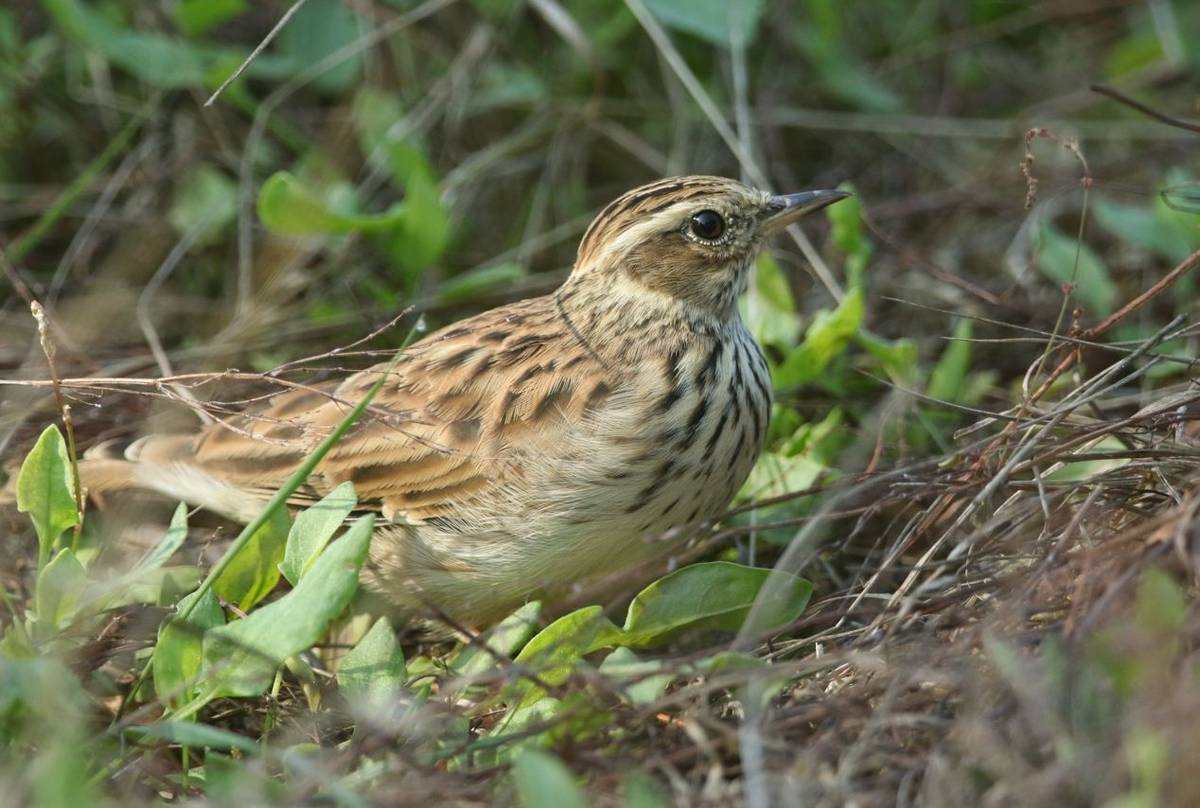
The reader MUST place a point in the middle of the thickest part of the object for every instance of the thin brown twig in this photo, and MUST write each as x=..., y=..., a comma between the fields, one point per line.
x=1146, y=110
x=43, y=328
x=287, y=15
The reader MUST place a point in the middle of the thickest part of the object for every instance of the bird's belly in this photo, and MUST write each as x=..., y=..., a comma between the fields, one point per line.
x=622, y=490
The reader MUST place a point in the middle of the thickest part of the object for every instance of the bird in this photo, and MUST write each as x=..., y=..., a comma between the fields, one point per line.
x=537, y=446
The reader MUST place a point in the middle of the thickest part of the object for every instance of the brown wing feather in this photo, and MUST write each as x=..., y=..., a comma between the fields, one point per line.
x=437, y=437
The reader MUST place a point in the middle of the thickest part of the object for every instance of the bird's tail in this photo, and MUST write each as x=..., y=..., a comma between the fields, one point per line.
x=160, y=463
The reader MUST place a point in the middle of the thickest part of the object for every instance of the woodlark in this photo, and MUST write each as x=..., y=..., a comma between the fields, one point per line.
x=543, y=443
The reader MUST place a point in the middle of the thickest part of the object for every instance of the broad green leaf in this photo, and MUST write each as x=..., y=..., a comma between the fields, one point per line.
x=832, y=62
x=171, y=541
x=178, y=654
x=769, y=309
x=711, y=596
x=899, y=357
x=1183, y=197
x=312, y=530
x=254, y=571
x=191, y=733
x=643, y=680
x=502, y=641
x=318, y=30
x=949, y=377
x=478, y=282
x=46, y=490
x=156, y=59
x=827, y=337
x=45, y=712
x=1056, y=258
x=286, y=206
x=196, y=17
x=373, y=670
x=1141, y=226
x=553, y=652
x=775, y=474
x=374, y=113
x=205, y=201
x=59, y=592
x=1161, y=606
x=240, y=658
x=640, y=790
x=544, y=782
x=1135, y=50
x=718, y=21
x=846, y=226
x=160, y=586
x=1080, y=470
x=422, y=233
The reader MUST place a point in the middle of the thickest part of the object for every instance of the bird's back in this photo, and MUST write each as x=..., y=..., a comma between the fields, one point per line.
x=509, y=455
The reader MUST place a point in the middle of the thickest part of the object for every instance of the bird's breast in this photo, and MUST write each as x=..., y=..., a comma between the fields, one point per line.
x=688, y=435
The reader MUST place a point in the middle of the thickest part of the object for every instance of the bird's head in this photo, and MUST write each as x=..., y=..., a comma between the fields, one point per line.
x=688, y=238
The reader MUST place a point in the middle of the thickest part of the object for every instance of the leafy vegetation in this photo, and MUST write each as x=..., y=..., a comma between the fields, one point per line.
x=963, y=571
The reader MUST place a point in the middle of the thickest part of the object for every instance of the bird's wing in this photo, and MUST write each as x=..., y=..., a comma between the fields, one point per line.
x=444, y=433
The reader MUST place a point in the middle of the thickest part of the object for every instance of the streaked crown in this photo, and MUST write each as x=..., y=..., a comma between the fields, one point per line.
x=691, y=238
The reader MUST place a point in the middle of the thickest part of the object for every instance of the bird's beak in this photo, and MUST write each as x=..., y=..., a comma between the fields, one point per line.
x=785, y=209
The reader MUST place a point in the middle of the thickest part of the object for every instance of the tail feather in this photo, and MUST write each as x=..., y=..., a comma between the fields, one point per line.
x=164, y=464
x=101, y=475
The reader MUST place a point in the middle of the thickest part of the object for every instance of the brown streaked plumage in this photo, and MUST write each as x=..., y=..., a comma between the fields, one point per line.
x=543, y=443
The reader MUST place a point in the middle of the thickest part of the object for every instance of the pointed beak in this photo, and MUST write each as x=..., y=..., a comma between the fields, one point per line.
x=785, y=209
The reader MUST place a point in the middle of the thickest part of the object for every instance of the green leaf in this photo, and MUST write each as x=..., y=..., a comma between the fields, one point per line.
x=502, y=641
x=846, y=229
x=1057, y=259
x=254, y=571
x=196, y=17
x=1080, y=470
x=158, y=60
x=171, y=541
x=286, y=206
x=319, y=29
x=544, y=782
x=59, y=592
x=190, y=733
x=640, y=790
x=161, y=586
x=948, y=380
x=205, y=201
x=1161, y=606
x=642, y=680
x=553, y=652
x=240, y=658
x=719, y=21
x=373, y=671
x=826, y=338
x=713, y=596
x=46, y=490
x=422, y=233
x=478, y=282
x=312, y=530
x=899, y=357
x=845, y=220
x=769, y=309
x=830, y=53
x=1143, y=227
x=1182, y=198
x=775, y=474
x=178, y=654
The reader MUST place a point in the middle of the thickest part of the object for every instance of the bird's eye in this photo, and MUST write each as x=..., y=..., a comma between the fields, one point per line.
x=708, y=225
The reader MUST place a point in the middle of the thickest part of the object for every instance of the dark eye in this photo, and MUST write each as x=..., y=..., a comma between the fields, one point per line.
x=708, y=225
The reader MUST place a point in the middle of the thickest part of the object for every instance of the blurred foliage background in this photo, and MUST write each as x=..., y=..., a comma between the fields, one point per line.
x=432, y=159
